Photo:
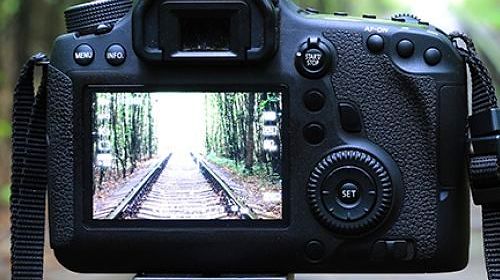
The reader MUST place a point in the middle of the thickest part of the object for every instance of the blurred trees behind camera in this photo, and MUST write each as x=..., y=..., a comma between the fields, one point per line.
x=29, y=26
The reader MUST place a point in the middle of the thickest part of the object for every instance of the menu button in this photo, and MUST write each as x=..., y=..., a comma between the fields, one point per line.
x=84, y=55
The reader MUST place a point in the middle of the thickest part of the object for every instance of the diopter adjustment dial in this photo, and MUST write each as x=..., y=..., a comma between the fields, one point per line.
x=350, y=192
x=96, y=16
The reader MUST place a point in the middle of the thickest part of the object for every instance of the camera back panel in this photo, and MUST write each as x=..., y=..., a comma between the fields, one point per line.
x=378, y=101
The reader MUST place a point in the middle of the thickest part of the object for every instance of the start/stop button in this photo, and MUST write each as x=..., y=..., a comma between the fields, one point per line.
x=314, y=58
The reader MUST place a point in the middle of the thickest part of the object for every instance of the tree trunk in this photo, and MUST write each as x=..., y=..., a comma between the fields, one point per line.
x=249, y=147
x=125, y=135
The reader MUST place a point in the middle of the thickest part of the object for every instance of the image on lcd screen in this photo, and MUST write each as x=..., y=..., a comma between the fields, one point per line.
x=187, y=156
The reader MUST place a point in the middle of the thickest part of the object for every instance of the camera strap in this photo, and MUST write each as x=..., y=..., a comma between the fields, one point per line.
x=29, y=173
x=484, y=168
x=29, y=164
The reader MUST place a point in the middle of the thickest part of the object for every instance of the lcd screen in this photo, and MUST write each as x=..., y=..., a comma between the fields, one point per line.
x=187, y=155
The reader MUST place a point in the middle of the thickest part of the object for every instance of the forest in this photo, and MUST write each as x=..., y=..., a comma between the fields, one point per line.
x=238, y=132
x=123, y=134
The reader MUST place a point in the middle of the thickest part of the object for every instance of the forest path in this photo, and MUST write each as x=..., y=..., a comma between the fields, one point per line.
x=182, y=192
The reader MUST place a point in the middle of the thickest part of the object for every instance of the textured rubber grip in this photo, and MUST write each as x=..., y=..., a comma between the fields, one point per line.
x=88, y=16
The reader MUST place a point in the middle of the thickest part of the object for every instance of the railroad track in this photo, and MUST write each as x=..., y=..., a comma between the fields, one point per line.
x=230, y=199
x=182, y=187
x=128, y=204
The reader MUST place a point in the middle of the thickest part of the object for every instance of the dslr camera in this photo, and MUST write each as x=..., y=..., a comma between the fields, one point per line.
x=253, y=136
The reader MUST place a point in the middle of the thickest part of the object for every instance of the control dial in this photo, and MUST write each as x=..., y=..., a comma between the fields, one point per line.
x=408, y=18
x=96, y=17
x=350, y=192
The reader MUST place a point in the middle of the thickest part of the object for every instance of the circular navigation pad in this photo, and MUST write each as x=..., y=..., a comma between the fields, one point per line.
x=350, y=192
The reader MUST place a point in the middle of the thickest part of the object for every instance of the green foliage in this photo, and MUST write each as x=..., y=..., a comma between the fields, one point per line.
x=8, y=8
x=235, y=131
x=258, y=169
x=263, y=104
x=4, y=194
x=228, y=163
x=123, y=128
x=483, y=11
x=5, y=129
x=354, y=7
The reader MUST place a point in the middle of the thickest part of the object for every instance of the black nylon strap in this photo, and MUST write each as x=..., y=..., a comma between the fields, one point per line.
x=491, y=236
x=485, y=167
x=483, y=91
x=29, y=174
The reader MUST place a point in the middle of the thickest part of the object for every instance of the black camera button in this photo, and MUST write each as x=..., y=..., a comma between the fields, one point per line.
x=433, y=56
x=84, y=55
x=313, y=59
x=401, y=250
x=312, y=10
x=350, y=118
x=116, y=55
x=314, y=100
x=315, y=250
x=314, y=133
x=348, y=194
x=405, y=48
x=340, y=14
x=375, y=43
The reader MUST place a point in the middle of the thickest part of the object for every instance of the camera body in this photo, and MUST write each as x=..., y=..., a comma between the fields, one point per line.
x=364, y=147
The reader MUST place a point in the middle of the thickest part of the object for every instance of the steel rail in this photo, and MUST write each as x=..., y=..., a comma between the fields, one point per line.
x=129, y=203
x=214, y=178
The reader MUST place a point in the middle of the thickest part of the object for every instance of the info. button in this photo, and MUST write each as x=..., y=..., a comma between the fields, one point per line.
x=116, y=55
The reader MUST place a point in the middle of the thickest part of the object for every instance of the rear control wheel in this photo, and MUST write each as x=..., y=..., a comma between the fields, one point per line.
x=350, y=192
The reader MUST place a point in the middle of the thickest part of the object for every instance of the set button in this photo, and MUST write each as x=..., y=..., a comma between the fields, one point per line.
x=349, y=193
